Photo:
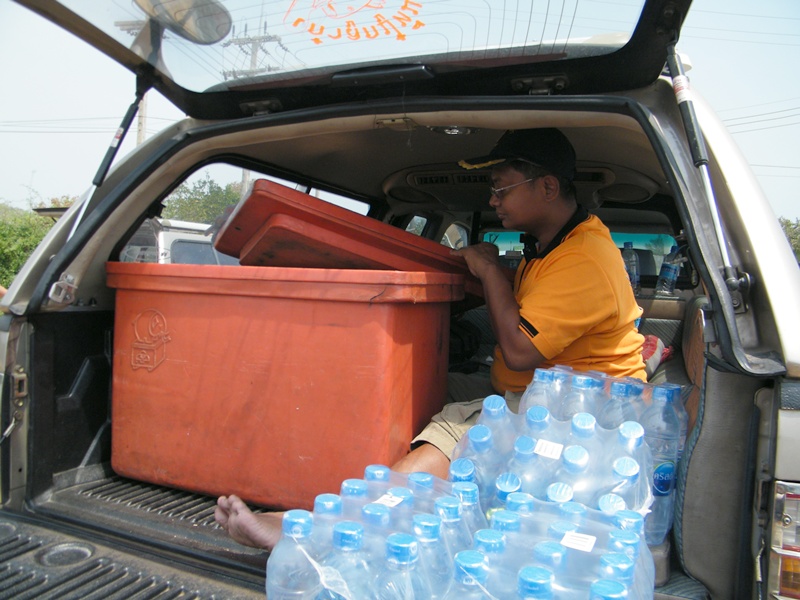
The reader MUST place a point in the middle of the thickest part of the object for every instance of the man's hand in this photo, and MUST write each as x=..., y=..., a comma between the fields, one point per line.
x=480, y=258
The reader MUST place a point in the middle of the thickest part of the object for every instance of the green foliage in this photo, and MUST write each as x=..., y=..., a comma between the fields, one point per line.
x=20, y=233
x=792, y=232
x=201, y=201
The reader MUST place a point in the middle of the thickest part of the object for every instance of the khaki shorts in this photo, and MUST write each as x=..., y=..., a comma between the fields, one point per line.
x=465, y=394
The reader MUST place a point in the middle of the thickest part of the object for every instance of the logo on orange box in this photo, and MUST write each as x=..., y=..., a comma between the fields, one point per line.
x=150, y=348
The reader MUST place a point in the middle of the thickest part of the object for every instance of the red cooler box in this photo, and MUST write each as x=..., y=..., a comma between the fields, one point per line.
x=282, y=227
x=274, y=384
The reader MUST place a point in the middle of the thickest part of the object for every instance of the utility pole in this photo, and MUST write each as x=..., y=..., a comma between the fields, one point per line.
x=252, y=45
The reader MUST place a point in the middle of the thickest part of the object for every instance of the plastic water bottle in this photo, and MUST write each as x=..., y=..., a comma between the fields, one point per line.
x=619, y=566
x=347, y=571
x=505, y=484
x=610, y=504
x=455, y=532
x=400, y=501
x=290, y=572
x=327, y=512
x=535, y=583
x=625, y=482
x=538, y=391
x=481, y=450
x=376, y=519
x=608, y=589
x=400, y=579
x=574, y=471
x=630, y=442
x=470, y=573
x=661, y=431
x=492, y=544
x=435, y=562
x=583, y=432
x=379, y=478
x=558, y=492
x=471, y=512
x=562, y=376
x=683, y=416
x=524, y=463
x=462, y=470
x=537, y=420
x=668, y=274
x=421, y=485
x=582, y=397
x=354, y=495
x=574, y=512
x=509, y=523
x=496, y=415
x=631, y=260
x=618, y=408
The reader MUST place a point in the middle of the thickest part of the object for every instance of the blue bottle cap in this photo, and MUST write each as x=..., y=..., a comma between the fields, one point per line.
x=348, y=535
x=624, y=540
x=462, y=469
x=581, y=382
x=489, y=541
x=537, y=418
x=467, y=492
x=471, y=567
x=629, y=520
x=621, y=388
x=505, y=520
x=535, y=582
x=575, y=458
x=661, y=394
x=572, y=511
x=480, y=438
x=427, y=528
x=542, y=375
x=524, y=447
x=354, y=488
x=328, y=504
x=617, y=565
x=297, y=523
x=559, y=492
x=494, y=407
x=448, y=508
x=626, y=468
x=402, y=496
x=550, y=553
x=402, y=548
x=611, y=504
x=631, y=434
x=505, y=484
x=377, y=473
x=376, y=515
x=608, y=589
x=520, y=502
x=559, y=528
x=583, y=425
x=420, y=481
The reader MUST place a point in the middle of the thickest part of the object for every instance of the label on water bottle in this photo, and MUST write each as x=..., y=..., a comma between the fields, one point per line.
x=548, y=449
x=663, y=477
x=578, y=541
x=389, y=500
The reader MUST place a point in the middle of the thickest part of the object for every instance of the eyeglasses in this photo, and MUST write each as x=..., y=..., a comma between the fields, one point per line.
x=501, y=192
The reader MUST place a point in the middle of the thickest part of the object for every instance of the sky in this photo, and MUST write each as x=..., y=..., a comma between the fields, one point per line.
x=61, y=101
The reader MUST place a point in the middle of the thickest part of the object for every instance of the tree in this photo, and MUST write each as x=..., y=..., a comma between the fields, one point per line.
x=20, y=232
x=792, y=232
x=201, y=201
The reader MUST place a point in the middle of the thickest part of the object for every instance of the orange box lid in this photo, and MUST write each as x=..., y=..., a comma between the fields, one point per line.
x=281, y=227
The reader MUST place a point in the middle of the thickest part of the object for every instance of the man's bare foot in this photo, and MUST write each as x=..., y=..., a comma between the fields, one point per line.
x=261, y=530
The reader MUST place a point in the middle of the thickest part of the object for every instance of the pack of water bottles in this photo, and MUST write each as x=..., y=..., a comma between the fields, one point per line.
x=391, y=536
x=558, y=500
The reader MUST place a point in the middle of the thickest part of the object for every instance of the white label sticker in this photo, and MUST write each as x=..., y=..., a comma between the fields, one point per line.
x=683, y=91
x=389, y=500
x=548, y=449
x=578, y=541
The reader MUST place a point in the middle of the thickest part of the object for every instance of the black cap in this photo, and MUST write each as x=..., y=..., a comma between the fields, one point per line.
x=547, y=148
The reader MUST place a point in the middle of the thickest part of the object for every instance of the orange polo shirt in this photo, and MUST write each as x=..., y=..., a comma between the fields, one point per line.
x=577, y=307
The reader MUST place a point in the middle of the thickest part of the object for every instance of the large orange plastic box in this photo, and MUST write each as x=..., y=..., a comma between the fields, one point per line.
x=274, y=384
x=279, y=226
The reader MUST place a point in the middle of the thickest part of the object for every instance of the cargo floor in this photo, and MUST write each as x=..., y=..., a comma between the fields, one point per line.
x=149, y=519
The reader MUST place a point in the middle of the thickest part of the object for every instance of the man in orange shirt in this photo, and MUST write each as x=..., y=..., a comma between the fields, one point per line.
x=570, y=304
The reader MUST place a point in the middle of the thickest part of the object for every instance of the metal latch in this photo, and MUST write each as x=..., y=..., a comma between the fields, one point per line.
x=63, y=290
x=19, y=383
